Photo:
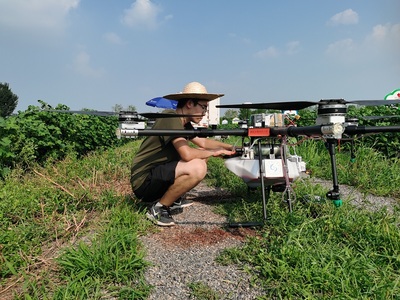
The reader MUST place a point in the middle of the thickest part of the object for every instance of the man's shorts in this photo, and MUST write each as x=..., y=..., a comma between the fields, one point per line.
x=161, y=177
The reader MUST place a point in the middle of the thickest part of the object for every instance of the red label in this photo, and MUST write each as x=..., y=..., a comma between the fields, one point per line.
x=258, y=132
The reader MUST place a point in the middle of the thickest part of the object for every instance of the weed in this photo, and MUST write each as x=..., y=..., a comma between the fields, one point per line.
x=201, y=291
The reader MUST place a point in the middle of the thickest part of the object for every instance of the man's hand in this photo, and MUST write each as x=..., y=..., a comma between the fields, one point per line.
x=223, y=152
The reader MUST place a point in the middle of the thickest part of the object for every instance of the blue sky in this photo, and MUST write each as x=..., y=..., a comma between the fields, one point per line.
x=99, y=53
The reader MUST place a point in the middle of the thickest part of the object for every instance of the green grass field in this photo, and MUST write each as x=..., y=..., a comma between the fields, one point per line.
x=70, y=230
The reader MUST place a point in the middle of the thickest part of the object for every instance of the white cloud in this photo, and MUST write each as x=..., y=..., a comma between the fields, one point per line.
x=346, y=17
x=36, y=15
x=385, y=37
x=113, y=38
x=269, y=52
x=292, y=47
x=142, y=13
x=341, y=47
x=385, y=32
x=82, y=66
x=381, y=44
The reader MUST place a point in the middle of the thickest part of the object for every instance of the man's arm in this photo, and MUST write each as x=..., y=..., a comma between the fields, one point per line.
x=207, y=148
x=211, y=144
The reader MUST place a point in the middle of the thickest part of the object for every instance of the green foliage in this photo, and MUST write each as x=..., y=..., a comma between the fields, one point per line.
x=8, y=100
x=386, y=143
x=37, y=135
x=230, y=114
x=308, y=117
x=228, y=126
x=118, y=107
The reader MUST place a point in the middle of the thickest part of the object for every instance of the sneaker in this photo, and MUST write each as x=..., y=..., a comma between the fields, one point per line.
x=179, y=204
x=160, y=215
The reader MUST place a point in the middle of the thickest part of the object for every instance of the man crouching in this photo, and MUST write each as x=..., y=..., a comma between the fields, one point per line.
x=167, y=167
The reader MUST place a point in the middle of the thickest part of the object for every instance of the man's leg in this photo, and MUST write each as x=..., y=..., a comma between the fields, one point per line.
x=187, y=176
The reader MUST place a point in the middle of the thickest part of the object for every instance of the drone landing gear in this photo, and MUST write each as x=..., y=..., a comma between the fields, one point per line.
x=264, y=199
x=266, y=192
x=333, y=194
x=265, y=195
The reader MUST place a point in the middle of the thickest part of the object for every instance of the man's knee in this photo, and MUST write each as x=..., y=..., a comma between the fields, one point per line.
x=198, y=168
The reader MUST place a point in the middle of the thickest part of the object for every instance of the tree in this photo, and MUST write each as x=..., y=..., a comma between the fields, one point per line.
x=118, y=108
x=231, y=113
x=131, y=108
x=8, y=100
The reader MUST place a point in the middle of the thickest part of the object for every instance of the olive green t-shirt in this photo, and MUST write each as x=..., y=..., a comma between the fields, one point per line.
x=155, y=150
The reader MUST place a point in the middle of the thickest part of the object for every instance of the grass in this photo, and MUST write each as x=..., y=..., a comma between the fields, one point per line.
x=63, y=203
x=83, y=207
x=319, y=251
x=201, y=291
x=113, y=259
x=371, y=172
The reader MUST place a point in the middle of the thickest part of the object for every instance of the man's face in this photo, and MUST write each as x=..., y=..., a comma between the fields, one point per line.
x=199, y=109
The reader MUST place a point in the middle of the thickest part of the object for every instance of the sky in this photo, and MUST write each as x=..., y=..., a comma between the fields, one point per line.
x=96, y=54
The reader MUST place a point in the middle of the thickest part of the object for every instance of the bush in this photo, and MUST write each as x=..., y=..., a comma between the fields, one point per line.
x=37, y=135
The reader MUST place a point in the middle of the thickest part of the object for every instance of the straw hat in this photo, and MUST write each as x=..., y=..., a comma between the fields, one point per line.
x=194, y=90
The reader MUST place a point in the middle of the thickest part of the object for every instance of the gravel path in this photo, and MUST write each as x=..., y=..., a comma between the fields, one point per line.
x=185, y=254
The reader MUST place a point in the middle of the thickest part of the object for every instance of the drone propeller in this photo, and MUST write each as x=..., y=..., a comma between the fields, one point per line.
x=297, y=105
x=85, y=112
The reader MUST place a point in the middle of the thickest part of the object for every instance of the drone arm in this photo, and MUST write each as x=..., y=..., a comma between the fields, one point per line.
x=184, y=132
x=332, y=130
x=370, y=129
x=296, y=131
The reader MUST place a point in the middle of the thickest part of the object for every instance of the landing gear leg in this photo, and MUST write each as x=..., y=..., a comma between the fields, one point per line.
x=264, y=196
x=333, y=194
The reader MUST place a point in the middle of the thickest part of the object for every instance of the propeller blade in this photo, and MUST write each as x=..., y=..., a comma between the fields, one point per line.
x=294, y=105
x=374, y=102
x=86, y=112
x=297, y=105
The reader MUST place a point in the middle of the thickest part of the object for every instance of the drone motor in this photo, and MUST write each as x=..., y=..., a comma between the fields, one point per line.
x=129, y=124
x=331, y=111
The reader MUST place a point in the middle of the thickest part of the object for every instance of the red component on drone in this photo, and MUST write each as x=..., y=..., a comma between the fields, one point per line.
x=259, y=132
